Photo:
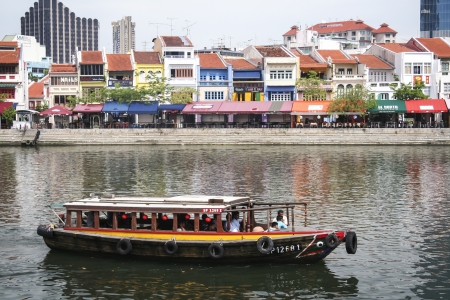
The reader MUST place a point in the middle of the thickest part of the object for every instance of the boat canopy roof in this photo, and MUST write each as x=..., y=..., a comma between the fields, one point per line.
x=185, y=203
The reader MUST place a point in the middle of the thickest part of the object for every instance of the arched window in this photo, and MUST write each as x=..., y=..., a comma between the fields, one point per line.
x=340, y=89
x=349, y=86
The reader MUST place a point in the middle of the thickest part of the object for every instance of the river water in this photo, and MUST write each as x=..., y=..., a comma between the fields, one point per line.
x=395, y=198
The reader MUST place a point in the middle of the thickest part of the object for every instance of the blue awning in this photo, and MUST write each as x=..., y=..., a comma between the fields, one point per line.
x=114, y=107
x=171, y=107
x=280, y=89
x=246, y=75
x=138, y=107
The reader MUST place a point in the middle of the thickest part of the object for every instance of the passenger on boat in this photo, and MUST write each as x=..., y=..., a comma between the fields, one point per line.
x=181, y=225
x=233, y=223
x=280, y=222
x=212, y=225
x=281, y=213
x=204, y=224
x=273, y=227
x=90, y=219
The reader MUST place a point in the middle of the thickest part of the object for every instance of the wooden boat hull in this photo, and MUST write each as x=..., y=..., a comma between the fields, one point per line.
x=288, y=247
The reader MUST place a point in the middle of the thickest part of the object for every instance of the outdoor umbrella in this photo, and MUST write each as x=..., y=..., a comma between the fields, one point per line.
x=57, y=111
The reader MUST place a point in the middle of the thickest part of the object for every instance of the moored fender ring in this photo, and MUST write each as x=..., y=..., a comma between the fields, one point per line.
x=170, y=247
x=215, y=251
x=264, y=245
x=45, y=230
x=331, y=241
x=351, y=242
x=28, y=142
x=124, y=247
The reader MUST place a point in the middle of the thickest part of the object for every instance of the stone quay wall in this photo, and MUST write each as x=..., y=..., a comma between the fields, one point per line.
x=234, y=136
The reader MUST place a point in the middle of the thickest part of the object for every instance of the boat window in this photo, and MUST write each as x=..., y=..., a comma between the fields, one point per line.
x=124, y=220
x=185, y=222
x=105, y=219
x=208, y=223
x=144, y=220
x=87, y=219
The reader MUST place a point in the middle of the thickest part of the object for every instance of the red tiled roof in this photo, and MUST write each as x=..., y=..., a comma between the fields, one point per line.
x=396, y=47
x=337, y=56
x=306, y=61
x=240, y=64
x=372, y=62
x=9, y=56
x=119, y=62
x=91, y=57
x=8, y=44
x=293, y=31
x=436, y=45
x=211, y=61
x=272, y=51
x=384, y=28
x=36, y=90
x=176, y=41
x=343, y=26
x=147, y=57
x=63, y=68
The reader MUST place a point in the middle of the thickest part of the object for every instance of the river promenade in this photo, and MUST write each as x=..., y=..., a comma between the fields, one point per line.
x=234, y=136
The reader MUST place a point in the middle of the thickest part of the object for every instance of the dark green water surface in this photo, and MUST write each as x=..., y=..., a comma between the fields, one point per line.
x=395, y=198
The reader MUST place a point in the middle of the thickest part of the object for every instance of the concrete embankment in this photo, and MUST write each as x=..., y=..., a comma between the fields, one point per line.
x=228, y=136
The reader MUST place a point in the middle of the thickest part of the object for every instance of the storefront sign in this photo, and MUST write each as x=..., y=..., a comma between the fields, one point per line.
x=248, y=89
x=69, y=79
x=387, y=108
x=92, y=78
x=202, y=106
x=427, y=79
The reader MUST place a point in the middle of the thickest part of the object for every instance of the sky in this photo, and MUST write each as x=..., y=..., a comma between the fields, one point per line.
x=233, y=23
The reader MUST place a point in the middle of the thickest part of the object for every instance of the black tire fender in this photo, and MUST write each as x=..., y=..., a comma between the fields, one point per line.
x=264, y=245
x=45, y=230
x=124, y=247
x=351, y=242
x=170, y=247
x=215, y=250
x=28, y=142
x=331, y=241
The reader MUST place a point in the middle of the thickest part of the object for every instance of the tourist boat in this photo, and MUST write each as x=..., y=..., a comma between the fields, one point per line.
x=191, y=228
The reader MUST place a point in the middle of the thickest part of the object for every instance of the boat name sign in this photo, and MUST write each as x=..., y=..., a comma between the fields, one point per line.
x=212, y=210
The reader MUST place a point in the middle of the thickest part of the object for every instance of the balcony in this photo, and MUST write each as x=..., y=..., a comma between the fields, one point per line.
x=213, y=83
x=383, y=86
x=122, y=83
x=339, y=77
x=10, y=77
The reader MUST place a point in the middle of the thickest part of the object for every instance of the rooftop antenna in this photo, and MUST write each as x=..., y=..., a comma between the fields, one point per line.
x=188, y=28
x=144, y=45
x=230, y=37
x=157, y=25
x=171, y=27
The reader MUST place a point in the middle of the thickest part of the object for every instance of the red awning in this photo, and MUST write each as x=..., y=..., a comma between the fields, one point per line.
x=202, y=107
x=248, y=107
x=4, y=105
x=426, y=106
x=88, y=108
x=56, y=110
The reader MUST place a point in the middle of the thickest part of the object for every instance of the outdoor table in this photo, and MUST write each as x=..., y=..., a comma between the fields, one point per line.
x=313, y=124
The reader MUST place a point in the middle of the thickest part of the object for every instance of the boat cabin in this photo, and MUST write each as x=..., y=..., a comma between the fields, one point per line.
x=175, y=214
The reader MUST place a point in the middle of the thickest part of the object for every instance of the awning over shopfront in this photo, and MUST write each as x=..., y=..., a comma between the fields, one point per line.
x=247, y=107
x=178, y=107
x=56, y=111
x=5, y=105
x=115, y=108
x=246, y=75
x=202, y=107
x=389, y=106
x=88, y=108
x=310, y=108
x=426, y=106
x=280, y=89
x=280, y=107
x=147, y=108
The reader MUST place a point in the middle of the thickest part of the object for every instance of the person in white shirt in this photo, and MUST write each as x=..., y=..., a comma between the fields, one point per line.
x=281, y=213
x=273, y=227
x=233, y=225
x=280, y=222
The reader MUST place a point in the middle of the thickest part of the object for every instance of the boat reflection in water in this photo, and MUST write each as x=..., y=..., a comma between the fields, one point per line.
x=120, y=277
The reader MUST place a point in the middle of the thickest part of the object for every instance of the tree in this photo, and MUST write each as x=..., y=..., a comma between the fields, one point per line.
x=43, y=107
x=357, y=100
x=312, y=87
x=409, y=92
x=9, y=115
x=182, y=95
